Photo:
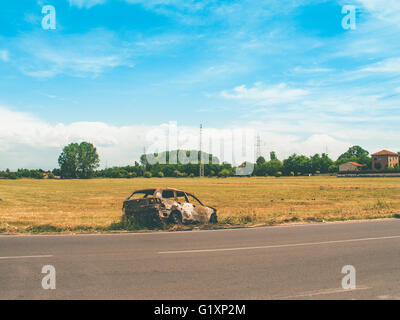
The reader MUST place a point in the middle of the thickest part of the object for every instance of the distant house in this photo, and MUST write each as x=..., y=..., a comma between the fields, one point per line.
x=384, y=159
x=350, y=167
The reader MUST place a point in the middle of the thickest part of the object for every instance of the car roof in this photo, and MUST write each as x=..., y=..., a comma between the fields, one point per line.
x=153, y=190
x=144, y=190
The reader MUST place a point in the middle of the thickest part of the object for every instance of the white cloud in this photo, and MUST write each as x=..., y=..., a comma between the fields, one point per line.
x=4, y=55
x=264, y=96
x=388, y=10
x=391, y=65
x=45, y=55
x=89, y=54
x=85, y=3
x=317, y=143
x=151, y=4
x=192, y=4
x=26, y=141
x=312, y=70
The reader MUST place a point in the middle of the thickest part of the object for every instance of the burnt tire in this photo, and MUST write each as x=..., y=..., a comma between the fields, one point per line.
x=176, y=217
x=213, y=218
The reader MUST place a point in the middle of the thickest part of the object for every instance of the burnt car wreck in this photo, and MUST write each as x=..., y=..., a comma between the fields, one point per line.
x=154, y=207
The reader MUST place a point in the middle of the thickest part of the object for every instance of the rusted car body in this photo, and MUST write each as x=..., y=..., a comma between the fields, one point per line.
x=165, y=205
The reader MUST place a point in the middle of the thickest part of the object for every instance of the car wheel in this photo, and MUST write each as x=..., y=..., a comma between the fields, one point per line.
x=213, y=218
x=176, y=217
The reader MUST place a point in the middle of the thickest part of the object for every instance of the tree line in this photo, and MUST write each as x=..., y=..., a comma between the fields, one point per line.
x=81, y=161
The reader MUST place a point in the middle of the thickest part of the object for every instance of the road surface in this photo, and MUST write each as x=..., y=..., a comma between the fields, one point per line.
x=284, y=262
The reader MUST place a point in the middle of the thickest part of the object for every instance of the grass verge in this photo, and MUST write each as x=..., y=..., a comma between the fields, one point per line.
x=92, y=206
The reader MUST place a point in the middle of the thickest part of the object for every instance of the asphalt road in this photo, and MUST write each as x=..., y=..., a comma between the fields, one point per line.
x=287, y=262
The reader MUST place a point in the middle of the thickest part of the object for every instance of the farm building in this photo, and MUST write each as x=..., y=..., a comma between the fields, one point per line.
x=384, y=159
x=350, y=167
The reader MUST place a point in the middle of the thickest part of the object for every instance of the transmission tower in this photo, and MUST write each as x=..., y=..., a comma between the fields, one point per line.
x=201, y=164
x=233, y=150
x=221, y=150
x=258, y=147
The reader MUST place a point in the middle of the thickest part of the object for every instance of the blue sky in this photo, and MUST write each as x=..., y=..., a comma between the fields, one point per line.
x=115, y=72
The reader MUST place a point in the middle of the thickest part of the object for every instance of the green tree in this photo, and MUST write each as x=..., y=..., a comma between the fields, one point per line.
x=78, y=161
x=297, y=164
x=333, y=168
x=355, y=154
x=315, y=163
x=320, y=163
x=273, y=167
x=68, y=161
x=88, y=160
x=224, y=173
x=326, y=162
x=147, y=174
x=260, y=160
x=260, y=167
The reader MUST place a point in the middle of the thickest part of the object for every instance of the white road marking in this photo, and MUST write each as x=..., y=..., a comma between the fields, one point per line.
x=279, y=246
x=25, y=257
x=321, y=292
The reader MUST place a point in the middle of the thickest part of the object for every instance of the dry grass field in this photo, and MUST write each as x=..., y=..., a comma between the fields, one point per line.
x=95, y=205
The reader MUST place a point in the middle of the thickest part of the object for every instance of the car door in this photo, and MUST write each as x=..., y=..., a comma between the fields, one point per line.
x=199, y=211
x=187, y=209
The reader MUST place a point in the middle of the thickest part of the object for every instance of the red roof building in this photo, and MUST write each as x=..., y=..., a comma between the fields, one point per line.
x=384, y=160
x=350, y=167
x=356, y=164
x=385, y=153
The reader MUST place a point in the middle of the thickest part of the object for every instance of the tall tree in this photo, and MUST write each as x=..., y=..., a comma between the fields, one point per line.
x=326, y=163
x=88, y=160
x=68, y=161
x=355, y=154
x=78, y=161
x=297, y=164
x=260, y=160
x=273, y=167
